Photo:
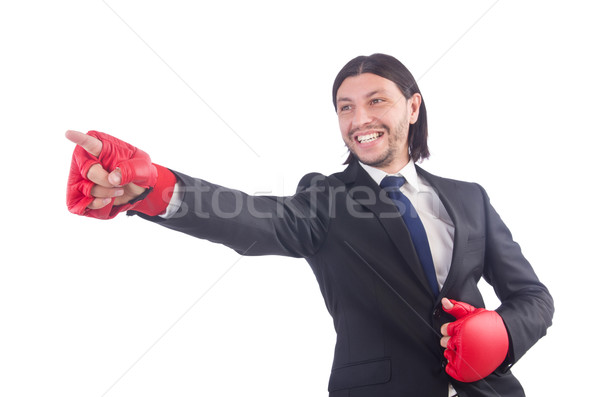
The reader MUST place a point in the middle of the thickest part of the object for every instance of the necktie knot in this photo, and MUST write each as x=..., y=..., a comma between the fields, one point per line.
x=392, y=181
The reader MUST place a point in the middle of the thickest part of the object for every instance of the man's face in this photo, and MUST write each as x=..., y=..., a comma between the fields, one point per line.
x=374, y=117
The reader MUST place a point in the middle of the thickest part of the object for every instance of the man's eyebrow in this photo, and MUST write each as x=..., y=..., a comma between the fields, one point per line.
x=381, y=91
x=369, y=95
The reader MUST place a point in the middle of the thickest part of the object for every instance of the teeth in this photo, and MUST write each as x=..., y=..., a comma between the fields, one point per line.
x=368, y=137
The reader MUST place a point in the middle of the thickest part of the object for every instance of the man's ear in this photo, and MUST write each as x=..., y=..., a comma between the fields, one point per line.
x=415, y=105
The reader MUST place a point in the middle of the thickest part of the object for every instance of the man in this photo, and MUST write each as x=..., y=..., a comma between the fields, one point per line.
x=397, y=251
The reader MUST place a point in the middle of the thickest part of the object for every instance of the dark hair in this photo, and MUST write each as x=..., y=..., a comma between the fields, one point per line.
x=392, y=69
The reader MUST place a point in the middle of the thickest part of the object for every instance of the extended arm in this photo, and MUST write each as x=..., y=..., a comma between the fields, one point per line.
x=253, y=225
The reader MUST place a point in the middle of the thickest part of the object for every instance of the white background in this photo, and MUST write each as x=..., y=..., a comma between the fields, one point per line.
x=238, y=92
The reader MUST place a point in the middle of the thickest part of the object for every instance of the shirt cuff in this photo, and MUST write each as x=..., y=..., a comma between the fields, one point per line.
x=175, y=202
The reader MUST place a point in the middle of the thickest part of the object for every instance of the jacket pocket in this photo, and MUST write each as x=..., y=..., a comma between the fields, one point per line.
x=363, y=373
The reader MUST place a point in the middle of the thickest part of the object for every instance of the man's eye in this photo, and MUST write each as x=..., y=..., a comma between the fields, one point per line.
x=377, y=100
x=344, y=108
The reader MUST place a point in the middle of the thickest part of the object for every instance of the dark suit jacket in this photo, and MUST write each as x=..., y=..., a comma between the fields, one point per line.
x=386, y=318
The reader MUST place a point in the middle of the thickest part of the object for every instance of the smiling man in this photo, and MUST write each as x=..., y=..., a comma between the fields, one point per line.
x=374, y=118
x=397, y=251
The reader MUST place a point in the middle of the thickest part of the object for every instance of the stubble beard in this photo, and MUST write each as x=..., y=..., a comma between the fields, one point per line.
x=392, y=153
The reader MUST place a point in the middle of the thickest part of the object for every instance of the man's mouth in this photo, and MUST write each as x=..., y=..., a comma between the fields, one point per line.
x=366, y=138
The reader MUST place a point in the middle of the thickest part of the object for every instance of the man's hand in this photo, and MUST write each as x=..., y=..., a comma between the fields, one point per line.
x=476, y=343
x=106, y=186
x=107, y=175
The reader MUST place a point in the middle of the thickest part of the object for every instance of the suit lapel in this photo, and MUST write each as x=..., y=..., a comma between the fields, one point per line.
x=367, y=193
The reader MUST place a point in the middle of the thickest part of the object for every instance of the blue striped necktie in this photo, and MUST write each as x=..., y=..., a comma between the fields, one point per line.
x=391, y=185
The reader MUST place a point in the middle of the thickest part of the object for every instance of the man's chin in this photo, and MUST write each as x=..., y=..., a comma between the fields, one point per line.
x=374, y=162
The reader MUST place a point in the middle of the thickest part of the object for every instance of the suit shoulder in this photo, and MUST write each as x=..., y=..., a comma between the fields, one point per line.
x=316, y=179
x=464, y=188
x=436, y=179
x=310, y=180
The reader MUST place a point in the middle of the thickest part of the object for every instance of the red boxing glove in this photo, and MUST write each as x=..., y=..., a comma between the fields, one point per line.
x=478, y=342
x=135, y=167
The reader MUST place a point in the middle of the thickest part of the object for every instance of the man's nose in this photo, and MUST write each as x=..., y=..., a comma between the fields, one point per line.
x=362, y=116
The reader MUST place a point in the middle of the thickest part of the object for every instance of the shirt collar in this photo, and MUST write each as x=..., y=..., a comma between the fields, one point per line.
x=409, y=172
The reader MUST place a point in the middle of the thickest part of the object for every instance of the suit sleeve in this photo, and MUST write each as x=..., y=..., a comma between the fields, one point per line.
x=253, y=225
x=526, y=305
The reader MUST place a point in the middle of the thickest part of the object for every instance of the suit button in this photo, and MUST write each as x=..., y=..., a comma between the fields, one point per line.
x=437, y=313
